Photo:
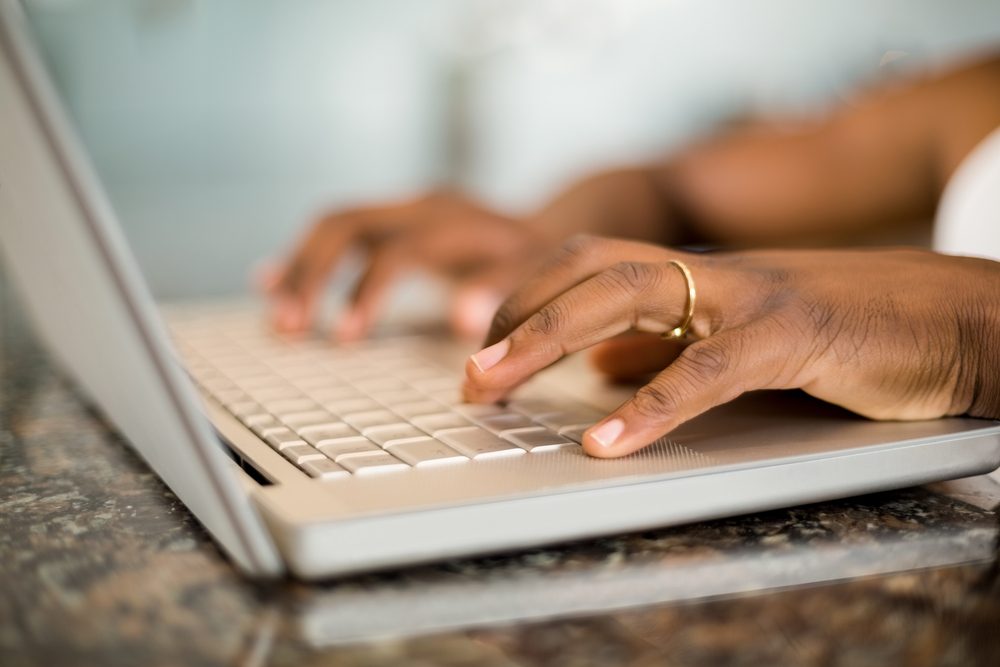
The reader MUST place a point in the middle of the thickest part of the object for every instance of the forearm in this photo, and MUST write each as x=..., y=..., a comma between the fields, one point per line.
x=761, y=185
x=626, y=203
x=879, y=163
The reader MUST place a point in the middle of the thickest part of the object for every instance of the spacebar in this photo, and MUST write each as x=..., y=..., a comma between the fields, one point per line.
x=477, y=443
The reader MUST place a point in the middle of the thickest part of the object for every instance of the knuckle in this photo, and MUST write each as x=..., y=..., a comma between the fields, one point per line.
x=706, y=360
x=633, y=276
x=778, y=277
x=581, y=249
x=653, y=401
x=546, y=321
x=816, y=313
x=581, y=245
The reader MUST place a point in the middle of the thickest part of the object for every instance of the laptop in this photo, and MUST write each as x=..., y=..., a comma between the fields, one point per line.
x=319, y=461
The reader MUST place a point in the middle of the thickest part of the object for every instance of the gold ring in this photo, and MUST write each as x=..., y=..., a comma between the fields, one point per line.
x=681, y=329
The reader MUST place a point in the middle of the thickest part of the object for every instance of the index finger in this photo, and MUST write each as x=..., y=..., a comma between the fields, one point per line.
x=296, y=286
x=580, y=258
x=650, y=297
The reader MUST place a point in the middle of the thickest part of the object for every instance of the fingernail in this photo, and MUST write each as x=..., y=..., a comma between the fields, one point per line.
x=488, y=358
x=608, y=432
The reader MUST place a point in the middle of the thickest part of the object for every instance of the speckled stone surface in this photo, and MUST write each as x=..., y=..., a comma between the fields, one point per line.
x=101, y=565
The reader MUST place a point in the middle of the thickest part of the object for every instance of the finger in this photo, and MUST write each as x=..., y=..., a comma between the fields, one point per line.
x=474, y=304
x=708, y=373
x=286, y=315
x=479, y=296
x=580, y=258
x=634, y=356
x=301, y=280
x=384, y=266
x=265, y=276
x=630, y=295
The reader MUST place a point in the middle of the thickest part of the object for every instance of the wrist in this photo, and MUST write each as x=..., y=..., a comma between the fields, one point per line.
x=982, y=345
x=625, y=203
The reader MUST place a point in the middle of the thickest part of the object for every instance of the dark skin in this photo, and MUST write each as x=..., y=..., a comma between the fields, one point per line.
x=889, y=334
x=868, y=170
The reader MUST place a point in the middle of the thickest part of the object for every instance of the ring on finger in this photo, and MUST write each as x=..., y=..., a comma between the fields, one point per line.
x=681, y=330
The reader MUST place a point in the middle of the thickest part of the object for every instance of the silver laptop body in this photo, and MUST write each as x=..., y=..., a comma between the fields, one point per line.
x=275, y=504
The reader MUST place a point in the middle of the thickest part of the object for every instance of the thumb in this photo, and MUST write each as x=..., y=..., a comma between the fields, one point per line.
x=706, y=374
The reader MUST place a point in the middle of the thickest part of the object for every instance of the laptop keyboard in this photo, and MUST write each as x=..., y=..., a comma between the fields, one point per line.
x=380, y=406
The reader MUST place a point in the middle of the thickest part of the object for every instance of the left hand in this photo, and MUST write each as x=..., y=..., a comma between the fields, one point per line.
x=480, y=250
x=892, y=334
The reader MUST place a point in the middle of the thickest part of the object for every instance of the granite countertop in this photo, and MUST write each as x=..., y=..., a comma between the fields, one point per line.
x=101, y=565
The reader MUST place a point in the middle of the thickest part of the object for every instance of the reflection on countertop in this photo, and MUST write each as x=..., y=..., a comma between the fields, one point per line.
x=870, y=535
x=100, y=564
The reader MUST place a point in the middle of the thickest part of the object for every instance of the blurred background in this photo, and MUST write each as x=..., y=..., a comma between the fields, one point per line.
x=221, y=127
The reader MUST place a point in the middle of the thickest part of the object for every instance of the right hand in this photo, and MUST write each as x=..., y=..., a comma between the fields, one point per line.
x=888, y=334
x=484, y=252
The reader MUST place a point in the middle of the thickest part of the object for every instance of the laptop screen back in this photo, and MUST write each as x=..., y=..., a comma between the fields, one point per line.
x=64, y=251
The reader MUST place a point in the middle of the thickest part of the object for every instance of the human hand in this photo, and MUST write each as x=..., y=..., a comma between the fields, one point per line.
x=482, y=251
x=896, y=334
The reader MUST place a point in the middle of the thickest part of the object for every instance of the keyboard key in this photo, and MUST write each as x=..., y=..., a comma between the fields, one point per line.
x=284, y=405
x=419, y=373
x=240, y=374
x=300, y=453
x=281, y=437
x=387, y=434
x=218, y=384
x=324, y=469
x=435, y=382
x=363, y=420
x=296, y=372
x=227, y=396
x=316, y=435
x=352, y=373
x=379, y=461
x=475, y=442
x=258, y=382
x=384, y=383
x=478, y=410
x=318, y=382
x=274, y=392
x=334, y=449
x=334, y=394
x=260, y=420
x=425, y=451
x=245, y=408
x=416, y=408
x=397, y=396
x=386, y=351
x=296, y=420
x=439, y=422
x=573, y=417
x=574, y=433
x=538, y=439
x=351, y=405
x=504, y=422
x=447, y=396
x=538, y=406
